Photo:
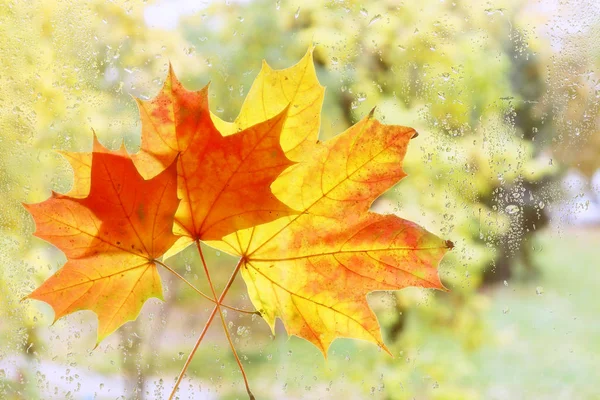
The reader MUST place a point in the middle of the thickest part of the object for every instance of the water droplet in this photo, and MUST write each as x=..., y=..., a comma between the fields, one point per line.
x=278, y=4
x=539, y=290
x=512, y=209
x=297, y=13
x=364, y=12
x=374, y=19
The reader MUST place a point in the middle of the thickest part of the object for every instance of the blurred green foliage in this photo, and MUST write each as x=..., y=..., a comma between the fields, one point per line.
x=501, y=115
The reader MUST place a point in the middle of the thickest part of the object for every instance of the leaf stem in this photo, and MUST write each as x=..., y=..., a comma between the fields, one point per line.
x=203, y=333
x=201, y=293
x=223, y=322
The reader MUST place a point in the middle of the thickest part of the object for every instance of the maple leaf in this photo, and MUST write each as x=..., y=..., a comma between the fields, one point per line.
x=223, y=181
x=111, y=238
x=271, y=92
x=313, y=270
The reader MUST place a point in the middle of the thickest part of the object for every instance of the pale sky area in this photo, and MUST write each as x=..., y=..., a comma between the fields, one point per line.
x=165, y=14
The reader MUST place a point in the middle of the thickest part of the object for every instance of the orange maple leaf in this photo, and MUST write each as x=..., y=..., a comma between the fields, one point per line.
x=223, y=181
x=313, y=270
x=111, y=238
